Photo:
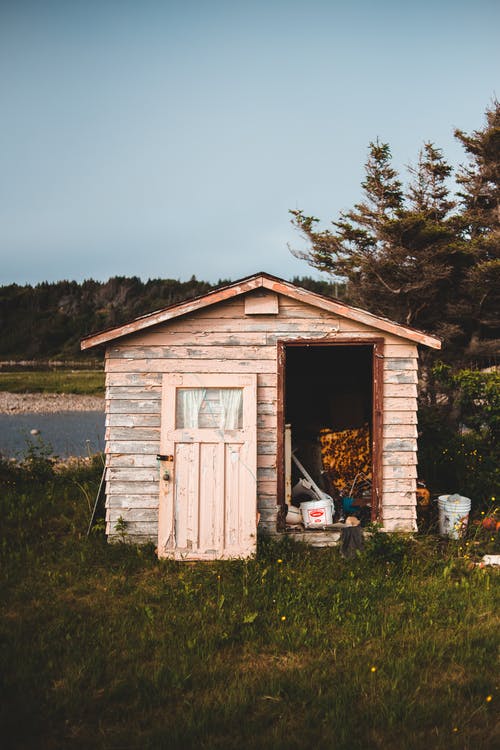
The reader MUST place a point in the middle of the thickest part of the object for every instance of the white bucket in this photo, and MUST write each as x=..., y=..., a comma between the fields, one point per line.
x=453, y=515
x=317, y=513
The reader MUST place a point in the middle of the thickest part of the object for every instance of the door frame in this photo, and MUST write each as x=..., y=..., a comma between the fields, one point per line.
x=377, y=344
x=167, y=542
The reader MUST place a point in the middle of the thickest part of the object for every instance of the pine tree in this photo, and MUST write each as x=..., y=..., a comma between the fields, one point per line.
x=416, y=255
x=393, y=249
x=479, y=182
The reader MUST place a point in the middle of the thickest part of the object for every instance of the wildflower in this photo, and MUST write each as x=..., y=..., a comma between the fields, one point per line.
x=455, y=729
x=373, y=669
x=279, y=560
x=283, y=618
x=489, y=698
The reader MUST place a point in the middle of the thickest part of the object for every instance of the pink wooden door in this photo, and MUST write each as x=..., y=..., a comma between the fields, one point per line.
x=208, y=469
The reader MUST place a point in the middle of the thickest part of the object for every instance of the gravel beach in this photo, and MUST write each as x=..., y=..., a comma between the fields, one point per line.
x=47, y=403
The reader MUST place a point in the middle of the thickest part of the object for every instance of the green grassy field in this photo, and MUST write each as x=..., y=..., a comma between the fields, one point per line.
x=53, y=381
x=104, y=646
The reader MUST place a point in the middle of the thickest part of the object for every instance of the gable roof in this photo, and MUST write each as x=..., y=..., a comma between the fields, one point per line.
x=247, y=284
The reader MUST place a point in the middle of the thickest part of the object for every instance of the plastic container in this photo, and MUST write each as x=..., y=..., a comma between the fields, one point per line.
x=453, y=515
x=294, y=516
x=317, y=513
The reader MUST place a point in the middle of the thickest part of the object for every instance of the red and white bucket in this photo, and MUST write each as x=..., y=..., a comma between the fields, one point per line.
x=317, y=513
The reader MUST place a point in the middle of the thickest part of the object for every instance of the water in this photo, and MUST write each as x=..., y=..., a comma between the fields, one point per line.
x=68, y=433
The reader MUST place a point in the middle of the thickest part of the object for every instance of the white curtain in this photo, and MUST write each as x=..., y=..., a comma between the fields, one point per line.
x=188, y=405
x=231, y=405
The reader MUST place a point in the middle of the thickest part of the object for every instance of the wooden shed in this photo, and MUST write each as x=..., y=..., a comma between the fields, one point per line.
x=204, y=400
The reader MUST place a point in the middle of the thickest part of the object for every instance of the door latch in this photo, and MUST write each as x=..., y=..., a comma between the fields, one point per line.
x=166, y=475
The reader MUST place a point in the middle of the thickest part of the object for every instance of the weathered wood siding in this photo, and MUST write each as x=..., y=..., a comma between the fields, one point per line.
x=222, y=339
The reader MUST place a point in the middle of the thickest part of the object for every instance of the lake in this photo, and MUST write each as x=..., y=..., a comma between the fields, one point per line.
x=68, y=433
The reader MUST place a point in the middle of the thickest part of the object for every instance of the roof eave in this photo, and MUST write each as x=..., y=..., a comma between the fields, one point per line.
x=273, y=283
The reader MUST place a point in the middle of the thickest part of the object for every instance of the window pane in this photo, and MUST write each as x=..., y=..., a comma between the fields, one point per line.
x=209, y=408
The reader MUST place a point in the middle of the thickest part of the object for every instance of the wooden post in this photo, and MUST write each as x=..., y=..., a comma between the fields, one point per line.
x=288, y=464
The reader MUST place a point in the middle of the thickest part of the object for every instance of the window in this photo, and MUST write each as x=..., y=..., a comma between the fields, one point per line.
x=209, y=408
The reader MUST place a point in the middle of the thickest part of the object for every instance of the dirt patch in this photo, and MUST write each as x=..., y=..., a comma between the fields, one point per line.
x=48, y=403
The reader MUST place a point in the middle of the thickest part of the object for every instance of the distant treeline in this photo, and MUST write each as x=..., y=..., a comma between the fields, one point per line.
x=48, y=320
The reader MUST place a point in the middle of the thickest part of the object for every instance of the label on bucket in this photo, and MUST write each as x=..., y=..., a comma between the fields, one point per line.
x=317, y=512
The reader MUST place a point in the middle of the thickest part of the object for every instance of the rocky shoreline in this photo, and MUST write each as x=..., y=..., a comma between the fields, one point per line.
x=48, y=403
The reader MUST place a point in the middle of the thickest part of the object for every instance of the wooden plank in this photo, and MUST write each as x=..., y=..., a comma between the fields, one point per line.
x=266, y=460
x=197, y=334
x=190, y=352
x=401, y=471
x=132, y=488
x=404, y=458
x=186, y=499
x=400, y=350
x=232, y=500
x=132, y=433
x=266, y=448
x=266, y=394
x=236, y=326
x=267, y=421
x=210, y=517
x=137, y=531
x=398, y=377
x=122, y=406
x=132, y=420
x=133, y=393
x=392, y=390
x=131, y=446
x=266, y=408
x=132, y=474
x=266, y=487
x=399, y=485
x=400, y=431
x=400, y=404
x=116, y=460
x=133, y=515
x=394, y=363
x=139, y=379
x=287, y=461
x=298, y=311
x=207, y=366
x=398, y=524
x=267, y=503
x=407, y=498
x=396, y=445
x=132, y=501
x=399, y=417
x=266, y=472
x=266, y=436
x=261, y=304
x=296, y=331
x=401, y=513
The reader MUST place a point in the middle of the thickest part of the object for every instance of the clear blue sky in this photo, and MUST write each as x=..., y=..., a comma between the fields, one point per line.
x=166, y=139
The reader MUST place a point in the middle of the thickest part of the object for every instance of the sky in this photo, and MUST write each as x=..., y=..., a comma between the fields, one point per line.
x=170, y=138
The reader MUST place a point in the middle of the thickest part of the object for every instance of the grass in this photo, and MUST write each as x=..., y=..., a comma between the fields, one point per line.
x=104, y=646
x=53, y=381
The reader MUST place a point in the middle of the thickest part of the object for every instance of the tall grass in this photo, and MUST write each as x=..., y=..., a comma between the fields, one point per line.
x=104, y=646
x=53, y=381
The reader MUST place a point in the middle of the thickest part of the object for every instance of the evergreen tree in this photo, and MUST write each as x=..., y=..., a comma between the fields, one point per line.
x=415, y=254
x=479, y=182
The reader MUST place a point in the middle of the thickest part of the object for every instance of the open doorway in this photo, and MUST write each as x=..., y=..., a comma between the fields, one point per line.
x=331, y=412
